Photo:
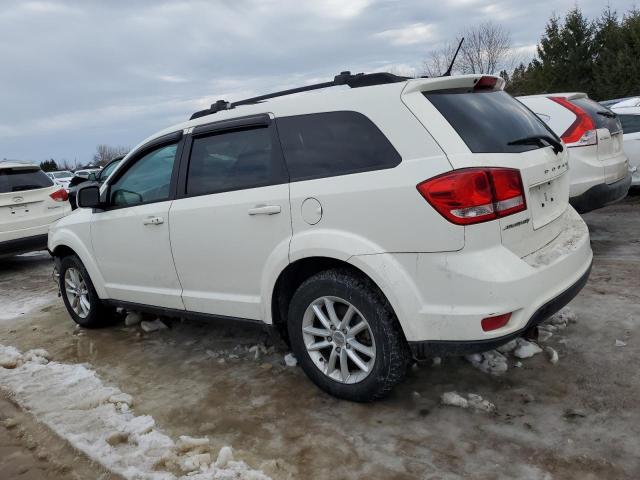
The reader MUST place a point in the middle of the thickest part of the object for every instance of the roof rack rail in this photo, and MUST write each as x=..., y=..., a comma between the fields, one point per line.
x=344, y=78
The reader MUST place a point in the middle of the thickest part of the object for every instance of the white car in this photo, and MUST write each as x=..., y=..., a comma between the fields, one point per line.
x=396, y=217
x=599, y=167
x=86, y=172
x=29, y=203
x=628, y=112
x=61, y=178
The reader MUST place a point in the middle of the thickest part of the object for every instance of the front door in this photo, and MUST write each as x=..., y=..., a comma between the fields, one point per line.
x=233, y=222
x=131, y=236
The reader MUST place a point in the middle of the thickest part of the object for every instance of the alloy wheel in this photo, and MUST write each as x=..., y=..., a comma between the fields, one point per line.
x=339, y=340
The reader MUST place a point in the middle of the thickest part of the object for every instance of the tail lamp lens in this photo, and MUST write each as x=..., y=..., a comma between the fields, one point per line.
x=474, y=195
x=582, y=131
x=60, y=195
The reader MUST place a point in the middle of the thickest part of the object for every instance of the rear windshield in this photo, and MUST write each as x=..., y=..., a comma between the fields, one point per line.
x=20, y=179
x=489, y=121
x=601, y=116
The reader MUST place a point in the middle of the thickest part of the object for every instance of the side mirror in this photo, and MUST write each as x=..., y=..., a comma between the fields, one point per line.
x=92, y=177
x=88, y=196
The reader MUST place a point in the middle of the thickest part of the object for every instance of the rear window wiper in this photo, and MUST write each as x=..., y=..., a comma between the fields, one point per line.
x=539, y=140
x=606, y=113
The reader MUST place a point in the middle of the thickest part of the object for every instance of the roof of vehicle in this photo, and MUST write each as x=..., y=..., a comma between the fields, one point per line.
x=12, y=164
x=567, y=95
x=320, y=99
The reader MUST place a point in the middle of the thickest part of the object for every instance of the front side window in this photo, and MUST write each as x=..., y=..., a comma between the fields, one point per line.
x=233, y=161
x=147, y=180
x=333, y=143
x=630, y=123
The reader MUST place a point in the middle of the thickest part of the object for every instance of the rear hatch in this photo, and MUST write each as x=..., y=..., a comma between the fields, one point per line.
x=477, y=124
x=24, y=197
x=609, y=137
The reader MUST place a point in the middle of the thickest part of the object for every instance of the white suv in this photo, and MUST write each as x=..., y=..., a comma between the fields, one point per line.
x=29, y=203
x=599, y=167
x=378, y=219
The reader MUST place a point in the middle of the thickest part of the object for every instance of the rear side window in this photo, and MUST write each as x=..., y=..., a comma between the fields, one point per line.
x=233, y=161
x=630, y=123
x=333, y=143
x=601, y=116
x=21, y=179
x=488, y=121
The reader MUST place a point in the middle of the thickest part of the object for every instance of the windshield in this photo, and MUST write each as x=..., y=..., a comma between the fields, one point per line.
x=488, y=122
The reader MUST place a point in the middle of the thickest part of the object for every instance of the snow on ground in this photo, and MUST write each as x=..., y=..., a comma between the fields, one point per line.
x=98, y=420
x=13, y=307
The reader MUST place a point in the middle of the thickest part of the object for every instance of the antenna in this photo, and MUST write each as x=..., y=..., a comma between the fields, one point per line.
x=448, y=72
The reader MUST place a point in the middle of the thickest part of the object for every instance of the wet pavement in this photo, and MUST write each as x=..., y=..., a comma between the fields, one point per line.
x=577, y=419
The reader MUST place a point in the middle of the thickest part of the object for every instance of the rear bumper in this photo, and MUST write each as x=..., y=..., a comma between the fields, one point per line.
x=22, y=245
x=436, y=348
x=601, y=195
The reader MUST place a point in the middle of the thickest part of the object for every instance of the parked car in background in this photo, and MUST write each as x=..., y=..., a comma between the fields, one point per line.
x=29, y=203
x=628, y=112
x=599, y=167
x=84, y=173
x=99, y=176
x=396, y=218
x=62, y=178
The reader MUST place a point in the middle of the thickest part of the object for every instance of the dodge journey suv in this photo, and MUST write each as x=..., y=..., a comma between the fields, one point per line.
x=369, y=220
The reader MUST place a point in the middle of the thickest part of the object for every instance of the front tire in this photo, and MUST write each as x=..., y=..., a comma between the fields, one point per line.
x=80, y=297
x=346, y=336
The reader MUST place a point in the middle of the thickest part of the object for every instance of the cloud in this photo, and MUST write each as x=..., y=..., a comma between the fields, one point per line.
x=75, y=74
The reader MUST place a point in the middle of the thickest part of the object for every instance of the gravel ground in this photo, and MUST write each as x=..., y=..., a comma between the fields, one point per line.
x=578, y=418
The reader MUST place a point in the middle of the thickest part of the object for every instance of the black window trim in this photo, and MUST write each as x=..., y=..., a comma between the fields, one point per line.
x=249, y=122
x=176, y=138
x=342, y=172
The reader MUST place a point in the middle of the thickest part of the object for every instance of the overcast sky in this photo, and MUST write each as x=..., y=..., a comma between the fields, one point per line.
x=76, y=74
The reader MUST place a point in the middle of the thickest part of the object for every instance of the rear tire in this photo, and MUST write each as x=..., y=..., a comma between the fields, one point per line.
x=80, y=297
x=346, y=336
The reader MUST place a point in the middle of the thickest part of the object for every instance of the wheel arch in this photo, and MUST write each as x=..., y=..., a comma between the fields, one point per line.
x=294, y=274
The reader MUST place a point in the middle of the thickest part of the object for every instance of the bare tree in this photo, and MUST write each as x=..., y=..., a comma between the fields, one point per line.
x=105, y=153
x=486, y=49
x=439, y=60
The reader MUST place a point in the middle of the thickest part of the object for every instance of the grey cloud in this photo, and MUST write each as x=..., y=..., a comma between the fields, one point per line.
x=74, y=74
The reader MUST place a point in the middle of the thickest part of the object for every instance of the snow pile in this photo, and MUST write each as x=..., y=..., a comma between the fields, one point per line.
x=97, y=420
x=526, y=349
x=152, y=326
x=492, y=362
x=20, y=303
x=559, y=321
x=472, y=401
x=290, y=360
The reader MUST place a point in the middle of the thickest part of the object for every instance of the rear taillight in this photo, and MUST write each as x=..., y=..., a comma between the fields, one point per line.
x=582, y=131
x=60, y=195
x=474, y=195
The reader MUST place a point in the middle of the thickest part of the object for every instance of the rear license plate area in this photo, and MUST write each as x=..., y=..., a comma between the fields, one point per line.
x=547, y=202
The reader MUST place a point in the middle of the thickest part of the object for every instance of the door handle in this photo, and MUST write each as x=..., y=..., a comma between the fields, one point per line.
x=265, y=210
x=153, y=221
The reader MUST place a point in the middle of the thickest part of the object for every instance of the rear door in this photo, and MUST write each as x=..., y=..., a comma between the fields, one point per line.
x=486, y=127
x=231, y=222
x=25, y=201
